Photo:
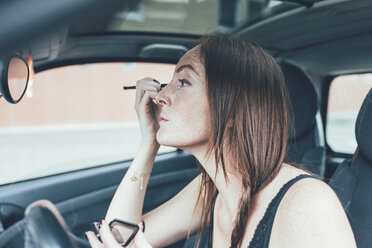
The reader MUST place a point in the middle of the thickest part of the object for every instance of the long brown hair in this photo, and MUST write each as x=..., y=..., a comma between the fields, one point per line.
x=245, y=85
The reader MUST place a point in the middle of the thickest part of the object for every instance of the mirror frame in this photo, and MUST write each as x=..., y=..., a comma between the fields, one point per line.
x=4, y=84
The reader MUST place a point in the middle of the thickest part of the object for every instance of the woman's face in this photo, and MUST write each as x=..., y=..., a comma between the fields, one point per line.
x=184, y=105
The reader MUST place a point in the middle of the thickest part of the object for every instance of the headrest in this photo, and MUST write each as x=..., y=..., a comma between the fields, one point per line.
x=363, y=128
x=303, y=100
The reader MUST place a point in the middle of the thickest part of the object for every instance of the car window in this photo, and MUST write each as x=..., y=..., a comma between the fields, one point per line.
x=74, y=117
x=346, y=95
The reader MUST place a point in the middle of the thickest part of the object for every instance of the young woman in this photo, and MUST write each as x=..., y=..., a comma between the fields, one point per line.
x=227, y=105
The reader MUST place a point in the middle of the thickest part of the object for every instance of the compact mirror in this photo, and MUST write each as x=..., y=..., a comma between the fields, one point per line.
x=14, y=74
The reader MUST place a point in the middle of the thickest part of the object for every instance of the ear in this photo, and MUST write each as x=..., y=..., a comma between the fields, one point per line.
x=230, y=123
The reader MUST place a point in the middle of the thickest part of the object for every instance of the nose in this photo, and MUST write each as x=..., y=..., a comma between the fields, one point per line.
x=162, y=97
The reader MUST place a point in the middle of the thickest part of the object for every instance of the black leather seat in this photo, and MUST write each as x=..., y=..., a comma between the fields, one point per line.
x=352, y=181
x=306, y=143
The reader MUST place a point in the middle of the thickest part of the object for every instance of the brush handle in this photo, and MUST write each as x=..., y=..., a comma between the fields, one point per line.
x=134, y=87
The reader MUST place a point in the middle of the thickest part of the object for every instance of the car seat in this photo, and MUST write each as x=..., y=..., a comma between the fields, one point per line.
x=352, y=181
x=306, y=141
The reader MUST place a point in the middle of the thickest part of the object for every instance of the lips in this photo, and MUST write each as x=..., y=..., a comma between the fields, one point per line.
x=162, y=119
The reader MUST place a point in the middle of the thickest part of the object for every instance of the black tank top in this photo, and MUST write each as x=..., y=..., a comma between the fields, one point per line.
x=262, y=233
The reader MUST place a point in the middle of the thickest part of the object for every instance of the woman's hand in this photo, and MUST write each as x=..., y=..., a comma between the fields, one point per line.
x=109, y=241
x=147, y=110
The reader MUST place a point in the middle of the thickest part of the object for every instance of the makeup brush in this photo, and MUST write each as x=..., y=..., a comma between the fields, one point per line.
x=134, y=87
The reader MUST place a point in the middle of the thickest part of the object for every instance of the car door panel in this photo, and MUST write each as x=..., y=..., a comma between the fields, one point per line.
x=84, y=196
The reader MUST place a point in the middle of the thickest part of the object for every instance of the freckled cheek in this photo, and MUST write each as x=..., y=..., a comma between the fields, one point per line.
x=188, y=123
x=195, y=118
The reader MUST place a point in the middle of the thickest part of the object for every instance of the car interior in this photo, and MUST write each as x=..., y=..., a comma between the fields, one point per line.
x=351, y=181
x=313, y=41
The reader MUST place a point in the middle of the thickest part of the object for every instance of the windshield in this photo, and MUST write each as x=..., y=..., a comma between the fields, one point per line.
x=193, y=17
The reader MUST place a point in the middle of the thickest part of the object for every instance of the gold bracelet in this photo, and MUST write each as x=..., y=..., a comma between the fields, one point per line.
x=136, y=175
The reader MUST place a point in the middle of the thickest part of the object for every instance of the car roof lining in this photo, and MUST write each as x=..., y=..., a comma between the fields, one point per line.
x=331, y=38
x=341, y=46
x=300, y=28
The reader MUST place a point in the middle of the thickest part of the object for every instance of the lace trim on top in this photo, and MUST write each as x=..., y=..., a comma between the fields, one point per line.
x=258, y=239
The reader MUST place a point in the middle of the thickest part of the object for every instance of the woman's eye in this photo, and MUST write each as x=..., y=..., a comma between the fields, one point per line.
x=184, y=82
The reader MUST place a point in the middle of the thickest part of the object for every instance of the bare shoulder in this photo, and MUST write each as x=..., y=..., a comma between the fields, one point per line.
x=312, y=191
x=311, y=215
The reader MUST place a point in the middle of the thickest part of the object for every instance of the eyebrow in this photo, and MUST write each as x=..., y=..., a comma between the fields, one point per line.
x=186, y=66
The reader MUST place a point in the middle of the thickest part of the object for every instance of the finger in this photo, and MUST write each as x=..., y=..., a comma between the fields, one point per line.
x=150, y=79
x=146, y=103
x=147, y=97
x=140, y=242
x=141, y=91
x=146, y=79
x=142, y=88
x=93, y=240
x=148, y=82
x=153, y=82
x=106, y=235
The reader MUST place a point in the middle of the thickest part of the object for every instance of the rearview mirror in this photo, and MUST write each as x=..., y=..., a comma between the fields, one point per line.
x=14, y=74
